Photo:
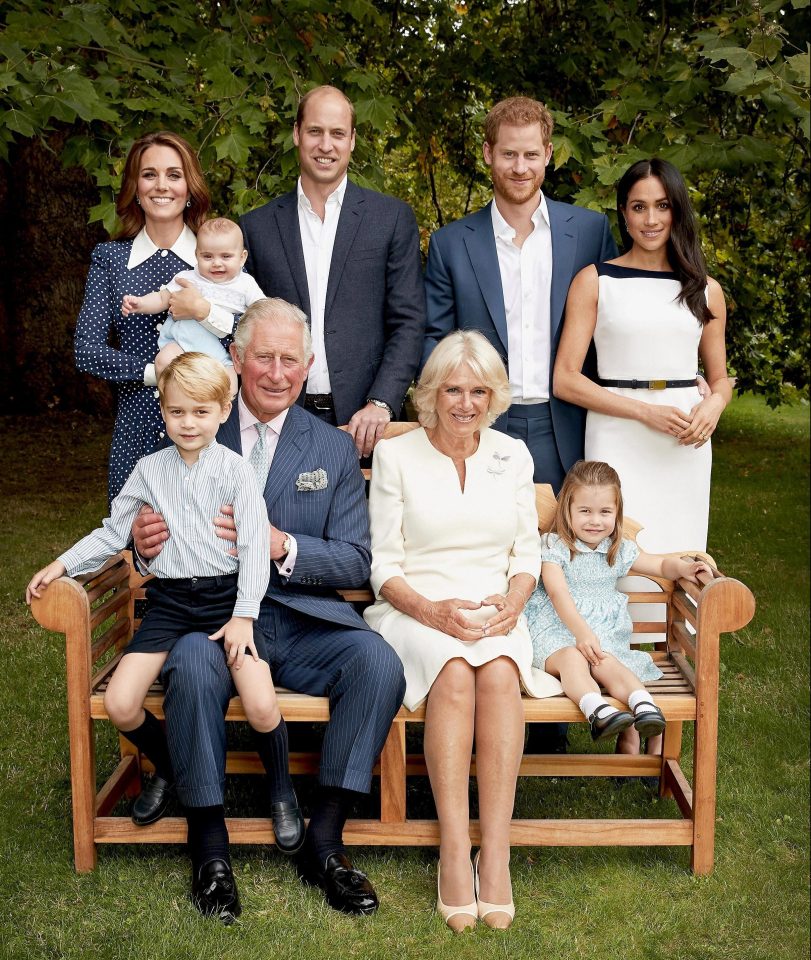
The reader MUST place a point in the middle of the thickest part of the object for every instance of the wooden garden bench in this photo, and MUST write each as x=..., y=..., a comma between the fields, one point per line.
x=97, y=615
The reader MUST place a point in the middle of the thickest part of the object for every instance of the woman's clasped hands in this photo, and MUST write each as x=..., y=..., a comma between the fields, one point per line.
x=469, y=621
x=690, y=428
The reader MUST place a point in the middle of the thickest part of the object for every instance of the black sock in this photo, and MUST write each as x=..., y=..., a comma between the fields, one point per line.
x=272, y=747
x=326, y=827
x=208, y=836
x=150, y=739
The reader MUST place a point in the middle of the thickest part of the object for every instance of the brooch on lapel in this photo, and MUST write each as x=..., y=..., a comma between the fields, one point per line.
x=496, y=468
x=315, y=480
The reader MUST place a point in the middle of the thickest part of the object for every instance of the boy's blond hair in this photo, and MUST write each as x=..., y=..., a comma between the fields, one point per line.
x=220, y=225
x=199, y=377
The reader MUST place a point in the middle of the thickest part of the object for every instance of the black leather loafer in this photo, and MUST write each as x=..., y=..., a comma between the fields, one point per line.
x=288, y=826
x=649, y=723
x=345, y=888
x=606, y=727
x=214, y=891
x=151, y=803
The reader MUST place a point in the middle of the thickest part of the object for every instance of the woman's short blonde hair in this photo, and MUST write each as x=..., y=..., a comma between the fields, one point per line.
x=199, y=376
x=458, y=348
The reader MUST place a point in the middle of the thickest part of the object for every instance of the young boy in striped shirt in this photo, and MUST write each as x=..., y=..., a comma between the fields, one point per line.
x=198, y=585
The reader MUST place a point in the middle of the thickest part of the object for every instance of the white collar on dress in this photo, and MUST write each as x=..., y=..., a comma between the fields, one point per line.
x=602, y=547
x=143, y=248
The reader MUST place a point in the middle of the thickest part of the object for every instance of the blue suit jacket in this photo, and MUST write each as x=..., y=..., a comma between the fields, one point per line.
x=463, y=290
x=374, y=316
x=331, y=526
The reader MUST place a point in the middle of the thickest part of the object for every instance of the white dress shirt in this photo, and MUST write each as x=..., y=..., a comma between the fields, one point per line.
x=248, y=436
x=526, y=279
x=317, y=242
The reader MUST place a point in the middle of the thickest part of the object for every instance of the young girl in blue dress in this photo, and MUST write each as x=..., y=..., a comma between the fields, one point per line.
x=579, y=622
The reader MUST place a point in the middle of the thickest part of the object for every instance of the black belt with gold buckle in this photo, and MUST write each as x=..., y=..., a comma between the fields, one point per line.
x=647, y=384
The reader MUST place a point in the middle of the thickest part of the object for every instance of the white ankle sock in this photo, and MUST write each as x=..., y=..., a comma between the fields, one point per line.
x=589, y=702
x=640, y=701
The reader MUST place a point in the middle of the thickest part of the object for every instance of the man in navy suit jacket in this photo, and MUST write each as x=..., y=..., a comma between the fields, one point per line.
x=506, y=270
x=317, y=643
x=350, y=259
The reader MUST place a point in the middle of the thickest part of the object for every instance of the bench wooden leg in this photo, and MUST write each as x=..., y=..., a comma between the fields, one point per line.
x=83, y=783
x=671, y=750
x=393, y=775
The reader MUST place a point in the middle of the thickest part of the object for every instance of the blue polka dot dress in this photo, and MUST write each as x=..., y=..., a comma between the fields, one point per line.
x=593, y=586
x=138, y=424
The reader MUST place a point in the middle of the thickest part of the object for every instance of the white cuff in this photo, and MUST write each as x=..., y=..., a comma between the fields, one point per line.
x=220, y=320
x=285, y=567
x=150, y=379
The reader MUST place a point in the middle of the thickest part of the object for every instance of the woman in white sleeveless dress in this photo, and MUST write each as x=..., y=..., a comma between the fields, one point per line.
x=652, y=312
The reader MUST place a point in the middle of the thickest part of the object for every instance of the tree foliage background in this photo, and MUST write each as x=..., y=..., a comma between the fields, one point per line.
x=719, y=88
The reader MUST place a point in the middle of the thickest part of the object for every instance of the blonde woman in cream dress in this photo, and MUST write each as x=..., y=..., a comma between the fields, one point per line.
x=455, y=556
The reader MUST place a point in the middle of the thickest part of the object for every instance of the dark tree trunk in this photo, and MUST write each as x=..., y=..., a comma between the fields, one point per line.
x=45, y=247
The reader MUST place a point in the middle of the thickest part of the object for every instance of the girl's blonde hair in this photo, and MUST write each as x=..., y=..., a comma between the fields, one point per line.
x=199, y=377
x=587, y=473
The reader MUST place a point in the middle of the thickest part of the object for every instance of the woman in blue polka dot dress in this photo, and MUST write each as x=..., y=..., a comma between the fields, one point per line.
x=162, y=202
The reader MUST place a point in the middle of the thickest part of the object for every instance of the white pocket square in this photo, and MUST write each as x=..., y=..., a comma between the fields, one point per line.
x=315, y=480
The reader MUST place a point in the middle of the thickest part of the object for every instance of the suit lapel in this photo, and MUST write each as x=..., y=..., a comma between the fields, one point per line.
x=228, y=434
x=286, y=212
x=293, y=442
x=480, y=242
x=564, y=247
x=349, y=220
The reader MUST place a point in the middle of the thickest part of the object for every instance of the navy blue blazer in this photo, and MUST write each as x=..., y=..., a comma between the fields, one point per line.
x=331, y=526
x=374, y=317
x=463, y=291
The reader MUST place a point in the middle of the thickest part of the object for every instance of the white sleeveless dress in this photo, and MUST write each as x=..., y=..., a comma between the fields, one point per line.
x=644, y=333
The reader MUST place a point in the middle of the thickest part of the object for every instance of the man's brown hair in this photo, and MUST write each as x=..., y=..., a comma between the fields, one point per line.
x=518, y=112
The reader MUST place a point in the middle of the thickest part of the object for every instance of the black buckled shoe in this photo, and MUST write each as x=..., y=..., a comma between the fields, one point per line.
x=214, y=892
x=650, y=723
x=345, y=888
x=152, y=802
x=288, y=826
x=602, y=729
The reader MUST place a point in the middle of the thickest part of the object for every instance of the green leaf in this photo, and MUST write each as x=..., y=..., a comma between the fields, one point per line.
x=234, y=145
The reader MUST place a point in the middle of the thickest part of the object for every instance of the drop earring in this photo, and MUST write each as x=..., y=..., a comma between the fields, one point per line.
x=137, y=199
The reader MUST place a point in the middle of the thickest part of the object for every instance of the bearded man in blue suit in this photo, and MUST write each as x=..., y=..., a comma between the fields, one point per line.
x=505, y=271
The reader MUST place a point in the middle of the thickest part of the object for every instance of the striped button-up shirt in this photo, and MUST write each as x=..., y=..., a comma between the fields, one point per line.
x=189, y=498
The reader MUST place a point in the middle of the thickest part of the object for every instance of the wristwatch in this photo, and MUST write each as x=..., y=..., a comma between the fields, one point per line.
x=287, y=545
x=383, y=406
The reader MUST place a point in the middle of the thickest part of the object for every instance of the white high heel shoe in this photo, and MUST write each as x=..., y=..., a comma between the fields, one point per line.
x=448, y=913
x=488, y=909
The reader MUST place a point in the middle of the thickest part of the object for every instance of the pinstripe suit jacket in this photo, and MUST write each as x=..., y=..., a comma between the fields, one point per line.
x=331, y=526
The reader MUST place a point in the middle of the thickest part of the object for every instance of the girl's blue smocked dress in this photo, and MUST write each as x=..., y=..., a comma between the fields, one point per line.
x=118, y=348
x=593, y=586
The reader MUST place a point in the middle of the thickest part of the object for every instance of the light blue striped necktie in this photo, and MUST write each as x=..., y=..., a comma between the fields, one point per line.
x=259, y=459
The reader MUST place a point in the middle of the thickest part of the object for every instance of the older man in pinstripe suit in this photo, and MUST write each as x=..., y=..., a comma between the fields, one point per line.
x=317, y=643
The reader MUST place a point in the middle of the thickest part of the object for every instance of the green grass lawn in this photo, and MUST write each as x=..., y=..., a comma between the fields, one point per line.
x=601, y=904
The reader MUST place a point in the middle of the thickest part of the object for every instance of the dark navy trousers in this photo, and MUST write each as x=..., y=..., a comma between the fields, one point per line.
x=532, y=423
x=355, y=668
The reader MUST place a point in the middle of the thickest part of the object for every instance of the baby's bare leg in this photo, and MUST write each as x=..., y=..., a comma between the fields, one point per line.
x=165, y=356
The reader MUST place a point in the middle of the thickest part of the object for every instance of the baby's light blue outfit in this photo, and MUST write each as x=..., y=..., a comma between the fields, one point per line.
x=593, y=586
x=235, y=295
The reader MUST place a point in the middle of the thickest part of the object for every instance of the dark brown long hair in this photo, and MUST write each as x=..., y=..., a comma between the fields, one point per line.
x=130, y=214
x=587, y=473
x=683, y=247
